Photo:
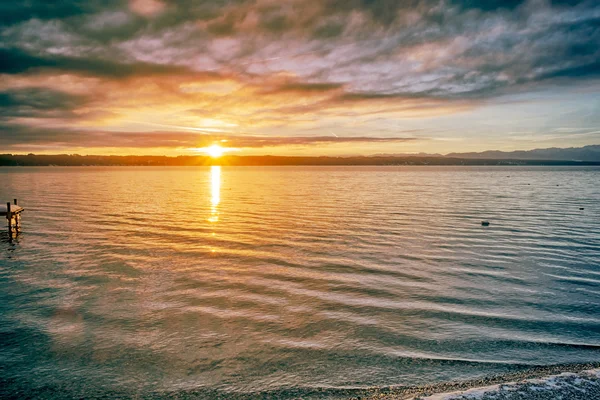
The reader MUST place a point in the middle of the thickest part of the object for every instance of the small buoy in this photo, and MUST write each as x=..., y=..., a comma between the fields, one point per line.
x=581, y=208
x=485, y=223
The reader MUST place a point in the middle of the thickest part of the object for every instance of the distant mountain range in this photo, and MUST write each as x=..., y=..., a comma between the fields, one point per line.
x=587, y=153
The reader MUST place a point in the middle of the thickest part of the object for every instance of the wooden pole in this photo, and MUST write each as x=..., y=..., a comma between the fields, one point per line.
x=17, y=219
x=9, y=218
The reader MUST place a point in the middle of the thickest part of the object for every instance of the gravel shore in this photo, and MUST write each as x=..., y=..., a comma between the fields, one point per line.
x=584, y=385
x=566, y=382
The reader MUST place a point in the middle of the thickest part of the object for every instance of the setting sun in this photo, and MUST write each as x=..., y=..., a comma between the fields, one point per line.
x=214, y=151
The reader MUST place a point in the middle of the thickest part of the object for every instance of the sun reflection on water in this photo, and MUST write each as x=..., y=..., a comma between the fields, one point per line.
x=215, y=192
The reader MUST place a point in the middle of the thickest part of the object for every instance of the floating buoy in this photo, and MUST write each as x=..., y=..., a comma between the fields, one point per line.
x=485, y=223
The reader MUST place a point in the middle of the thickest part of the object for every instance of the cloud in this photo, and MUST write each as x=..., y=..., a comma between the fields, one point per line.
x=212, y=102
x=147, y=8
x=18, y=11
x=15, y=137
x=404, y=47
x=15, y=61
x=489, y=5
x=38, y=102
x=259, y=66
x=258, y=141
x=303, y=88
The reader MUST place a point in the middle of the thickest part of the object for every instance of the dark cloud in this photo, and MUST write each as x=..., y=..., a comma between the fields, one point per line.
x=489, y=5
x=300, y=87
x=276, y=23
x=261, y=141
x=17, y=11
x=581, y=71
x=15, y=61
x=13, y=136
x=328, y=30
x=38, y=102
x=382, y=11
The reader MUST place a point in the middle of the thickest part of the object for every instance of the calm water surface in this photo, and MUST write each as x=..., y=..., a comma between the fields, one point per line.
x=236, y=281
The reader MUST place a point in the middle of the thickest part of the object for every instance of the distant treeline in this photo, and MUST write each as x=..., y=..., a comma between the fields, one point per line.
x=163, y=161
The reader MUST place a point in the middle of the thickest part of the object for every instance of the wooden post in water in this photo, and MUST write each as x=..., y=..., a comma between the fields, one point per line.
x=17, y=218
x=9, y=218
x=13, y=217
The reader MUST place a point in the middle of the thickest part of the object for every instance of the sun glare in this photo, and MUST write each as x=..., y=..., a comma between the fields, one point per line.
x=214, y=151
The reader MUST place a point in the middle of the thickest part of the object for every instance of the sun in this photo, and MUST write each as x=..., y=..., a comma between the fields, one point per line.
x=214, y=151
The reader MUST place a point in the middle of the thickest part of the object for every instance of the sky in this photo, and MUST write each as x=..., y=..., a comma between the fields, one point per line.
x=298, y=77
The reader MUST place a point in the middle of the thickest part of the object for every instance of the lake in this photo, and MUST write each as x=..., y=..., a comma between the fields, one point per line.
x=293, y=281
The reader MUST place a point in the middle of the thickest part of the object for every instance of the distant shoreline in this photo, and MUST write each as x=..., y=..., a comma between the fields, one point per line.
x=8, y=160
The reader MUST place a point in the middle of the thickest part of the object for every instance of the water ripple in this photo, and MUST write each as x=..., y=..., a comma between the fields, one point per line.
x=135, y=281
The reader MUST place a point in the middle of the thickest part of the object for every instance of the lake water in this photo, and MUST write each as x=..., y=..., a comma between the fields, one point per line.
x=294, y=281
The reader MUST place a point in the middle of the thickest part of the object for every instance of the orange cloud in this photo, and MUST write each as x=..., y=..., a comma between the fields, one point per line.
x=183, y=111
x=147, y=8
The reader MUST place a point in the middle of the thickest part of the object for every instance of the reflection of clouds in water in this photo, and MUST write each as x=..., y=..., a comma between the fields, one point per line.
x=66, y=327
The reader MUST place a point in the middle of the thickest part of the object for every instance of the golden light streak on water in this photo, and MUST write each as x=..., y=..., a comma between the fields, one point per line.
x=215, y=192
